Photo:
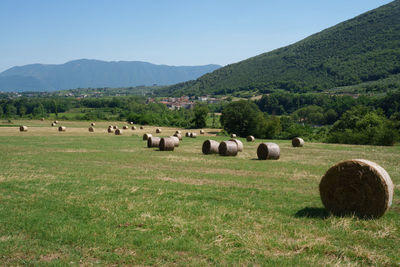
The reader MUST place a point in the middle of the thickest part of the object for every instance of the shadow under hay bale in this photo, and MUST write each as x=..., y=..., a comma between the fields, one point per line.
x=62, y=129
x=250, y=138
x=310, y=212
x=297, y=142
x=146, y=136
x=357, y=187
x=239, y=144
x=91, y=129
x=268, y=151
x=153, y=141
x=210, y=147
x=23, y=128
x=228, y=148
x=167, y=144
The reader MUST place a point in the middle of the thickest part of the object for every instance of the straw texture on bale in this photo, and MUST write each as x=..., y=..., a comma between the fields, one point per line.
x=125, y=127
x=110, y=130
x=193, y=135
x=91, y=129
x=167, y=144
x=153, y=141
x=233, y=135
x=62, y=129
x=297, y=142
x=178, y=135
x=118, y=132
x=239, y=144
x=358, y=187
x=228, y=148
x=146, y=136
x=250, y=138
x=133, y=127
x=210, y=147
x=158, y=130
x=178, y=132
x=93, y=124
x=176, y=140
x=202, y=132
x=23, y=128
x=187, y=134
x=268, y=151
x=53, y=124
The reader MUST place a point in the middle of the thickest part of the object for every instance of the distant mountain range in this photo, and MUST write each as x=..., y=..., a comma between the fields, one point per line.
x=361, y=50
x=85, y=73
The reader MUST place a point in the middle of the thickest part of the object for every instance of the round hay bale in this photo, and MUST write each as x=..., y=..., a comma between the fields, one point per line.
x=193, y=135
x=141, y=127
x=297, y=142
x=202, y=132
x=178, y=132
x=125, y=127
x=93, y=124
x=233, y=135
x=56, y=122
x=176, y=140
x=153, y=141
x=133, y=128
x=268, y=151
x=158, y=130
x=187, y=134
x=110, y=130
x=53, y=124
x=62, y=129
x=91, y=129
x=118, y=132
x=42, y=119
x=357, y=186
x=178, y=135
x=110, y=126
x=250, y=138
x=210, y=147
x=167, y=144
x=239, y=144
x=146, y=136
x=131, y=123
x=23, y=128
x=228, y=148
x=115, y=127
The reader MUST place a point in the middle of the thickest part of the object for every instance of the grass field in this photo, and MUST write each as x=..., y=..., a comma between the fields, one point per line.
x=80, y=198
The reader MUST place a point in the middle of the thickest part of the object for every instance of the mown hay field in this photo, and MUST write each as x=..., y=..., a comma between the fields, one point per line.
x=80, y=198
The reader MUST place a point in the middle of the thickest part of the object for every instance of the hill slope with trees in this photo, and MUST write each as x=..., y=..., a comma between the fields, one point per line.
x=365, y=48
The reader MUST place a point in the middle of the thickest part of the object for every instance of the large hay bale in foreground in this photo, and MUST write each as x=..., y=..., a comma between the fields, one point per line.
x=233, y=135
x=250, y=138
x=23, y=128
x=153, y=141
x=93, y=124
x=178, y=135
x=297, y=142
x=193, y=135
x=238, y=143
x=62, y=129
x=268, y=151
x=158, y=130
x=167, y=144
x=228, y=148
x=176, y=140
x=91, y=129
x=110, y=130
x=133, y=128
x=357, y=186
x=118, y=132
x=146, y=136
x=202, y=132
x=210, y=147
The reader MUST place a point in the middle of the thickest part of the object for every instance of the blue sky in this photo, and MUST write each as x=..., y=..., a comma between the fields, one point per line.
x=172, y=32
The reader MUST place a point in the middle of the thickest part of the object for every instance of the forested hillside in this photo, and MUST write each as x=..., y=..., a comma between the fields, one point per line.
x=365, y=48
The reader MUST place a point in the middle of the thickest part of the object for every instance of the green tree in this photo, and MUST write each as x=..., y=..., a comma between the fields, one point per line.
x=11, y=110
x=1, y=111
x=200, y=116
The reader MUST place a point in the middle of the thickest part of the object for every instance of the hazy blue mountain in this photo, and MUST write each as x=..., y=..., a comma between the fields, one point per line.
x=85, y=73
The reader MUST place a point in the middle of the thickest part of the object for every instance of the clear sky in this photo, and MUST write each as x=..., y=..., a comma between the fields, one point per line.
x=171, y=32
